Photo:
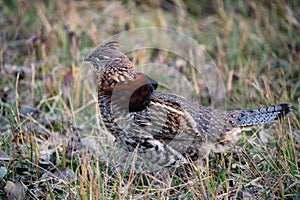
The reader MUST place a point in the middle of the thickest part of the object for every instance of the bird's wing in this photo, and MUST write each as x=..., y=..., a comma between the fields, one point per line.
x=166, y=121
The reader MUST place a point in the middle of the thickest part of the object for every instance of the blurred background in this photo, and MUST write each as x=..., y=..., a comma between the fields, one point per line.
x=254, y=45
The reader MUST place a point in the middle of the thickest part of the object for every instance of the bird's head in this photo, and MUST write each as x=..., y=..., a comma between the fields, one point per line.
x=104, y=56
x=111, y=64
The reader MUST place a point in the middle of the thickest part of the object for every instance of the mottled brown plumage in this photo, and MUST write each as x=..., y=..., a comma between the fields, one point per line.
x=164, y=128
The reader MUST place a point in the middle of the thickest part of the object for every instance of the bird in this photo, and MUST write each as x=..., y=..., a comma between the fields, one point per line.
x=166, y=130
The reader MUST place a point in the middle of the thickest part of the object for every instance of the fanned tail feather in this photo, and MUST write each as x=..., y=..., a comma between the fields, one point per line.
x=262, y=115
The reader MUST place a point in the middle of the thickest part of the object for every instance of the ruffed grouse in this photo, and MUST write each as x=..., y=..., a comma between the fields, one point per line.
x=165, y=129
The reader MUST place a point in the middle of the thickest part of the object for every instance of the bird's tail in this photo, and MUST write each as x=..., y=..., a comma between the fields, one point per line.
x=261, y=115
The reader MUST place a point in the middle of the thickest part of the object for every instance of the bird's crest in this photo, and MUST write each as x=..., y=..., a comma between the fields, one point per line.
x=103, y=55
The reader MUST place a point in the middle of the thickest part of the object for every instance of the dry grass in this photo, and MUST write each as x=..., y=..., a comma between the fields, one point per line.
x=53, y=141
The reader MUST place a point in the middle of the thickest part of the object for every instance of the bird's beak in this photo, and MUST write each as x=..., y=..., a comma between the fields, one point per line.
x=86, y=59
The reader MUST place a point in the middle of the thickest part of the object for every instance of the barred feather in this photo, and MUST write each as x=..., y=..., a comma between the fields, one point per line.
x=262, y=115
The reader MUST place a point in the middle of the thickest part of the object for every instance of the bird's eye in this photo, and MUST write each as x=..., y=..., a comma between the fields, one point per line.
x=101, y=57
x=117, y=60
